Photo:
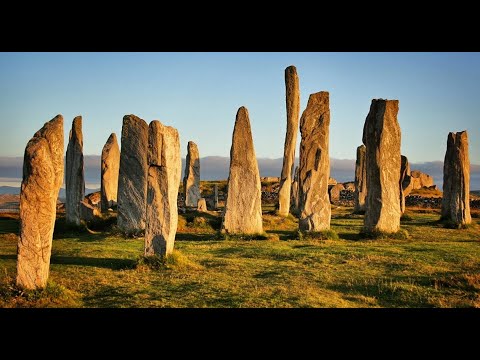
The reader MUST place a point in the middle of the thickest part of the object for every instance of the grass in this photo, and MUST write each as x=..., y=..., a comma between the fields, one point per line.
x=434, y=267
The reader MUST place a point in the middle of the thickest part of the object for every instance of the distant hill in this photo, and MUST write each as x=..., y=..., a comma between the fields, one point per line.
x=216, y=168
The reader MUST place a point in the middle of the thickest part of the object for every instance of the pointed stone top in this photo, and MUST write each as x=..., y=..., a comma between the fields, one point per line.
x=191, y=144
x=50, y=126
x=361, y=148
x=76, y=132
x=112, y=138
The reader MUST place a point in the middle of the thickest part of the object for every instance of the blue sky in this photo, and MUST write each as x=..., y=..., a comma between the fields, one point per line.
x=199, y=94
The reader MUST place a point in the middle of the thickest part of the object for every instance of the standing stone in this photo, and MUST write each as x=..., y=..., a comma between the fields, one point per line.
x=202, y=205
x=243, y=206
x=74, y=173
x=132, y=177
x=382, y=137
x=215, y=196
x=404, y=173
x=456, y=180
x=42, y=178
x=164, y=174
x=109, y=170
x=314, y=202
x=293, y=112
x=191, y=181
x=294, y=193
x=360, y=180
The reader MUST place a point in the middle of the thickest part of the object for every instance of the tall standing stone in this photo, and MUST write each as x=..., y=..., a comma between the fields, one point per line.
x=382, y=138
x=456, y=180
x=191, y=181
x=74, y=173
x=109, y=171
x=294, y=193
x=314, y=173
x=164, y=172
x=42, y=178
x=293, y=111
x=132, y=177
x=215, y=196
x=360, y=180
x=404, y=174
x=243, y=206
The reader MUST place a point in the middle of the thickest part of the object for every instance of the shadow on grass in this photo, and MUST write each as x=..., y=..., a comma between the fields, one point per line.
x=107, y=263
x=350, y=236
x=284, y=234
x=109, y=296
x=8, y=257
x=195, y=237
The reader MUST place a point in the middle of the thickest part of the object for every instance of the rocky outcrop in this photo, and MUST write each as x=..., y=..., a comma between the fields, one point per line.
x=191, y=181
x=314, y=203
x=456, y=180
x=334, y=192
x=109, y=173
x=74, y=173
x=164, y=174
x=382, y=138
x=132, y=177
x=293, y=111
x=88, y=211
x=360, y=180
x=42, y=178
x=243, y=206
x=420, y=180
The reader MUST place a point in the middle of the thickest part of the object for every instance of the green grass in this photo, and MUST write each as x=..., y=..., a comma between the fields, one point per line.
x=434, y=267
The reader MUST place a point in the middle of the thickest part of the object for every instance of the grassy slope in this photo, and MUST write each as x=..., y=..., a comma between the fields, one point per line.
x=436, y=267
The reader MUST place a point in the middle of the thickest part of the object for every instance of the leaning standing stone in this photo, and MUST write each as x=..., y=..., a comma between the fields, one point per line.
x=404, y=173
x=382, y=138
x=74, y=173
x=132, y=177
x=293, y=112
x=456, y=180
x=109, y=170
x=243, y=206
x=42, y=178
x=191, y=181
x=314, y=202
x=164, y=172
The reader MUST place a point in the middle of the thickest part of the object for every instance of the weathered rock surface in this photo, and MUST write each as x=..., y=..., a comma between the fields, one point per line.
x=191, y=181
x=456, y=180
x=42, y=178
x=202, y=205
x=314, y=173
x=243, y=205
x=132, y=177
x=93, y=199
x=404, y=172
x=164, y=175
x=293, y=112
x=109, y=172
x=382, y=138
x=360, y=180
x=294, y=193
x=74, y=173
x=332, y=181
x=215, y=197
x=350, y=185
x=88, y=211
x=334, y=192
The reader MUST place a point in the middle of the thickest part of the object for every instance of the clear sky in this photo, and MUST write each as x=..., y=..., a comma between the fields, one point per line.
x=199, y=94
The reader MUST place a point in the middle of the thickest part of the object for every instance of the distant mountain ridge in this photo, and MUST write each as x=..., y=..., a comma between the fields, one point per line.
x=216, y=168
